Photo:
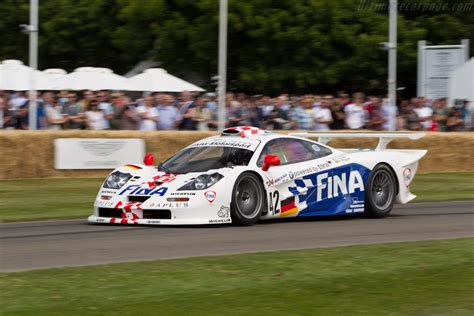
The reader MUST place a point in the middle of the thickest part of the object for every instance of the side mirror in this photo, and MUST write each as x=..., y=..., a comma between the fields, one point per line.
x=269, y=161
x=148, y=160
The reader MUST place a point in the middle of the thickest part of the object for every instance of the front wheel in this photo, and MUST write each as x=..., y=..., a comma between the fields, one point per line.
x=380, y=192
x=247, y=199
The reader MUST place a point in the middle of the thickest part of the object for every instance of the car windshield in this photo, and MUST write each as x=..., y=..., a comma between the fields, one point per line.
x=202, y=159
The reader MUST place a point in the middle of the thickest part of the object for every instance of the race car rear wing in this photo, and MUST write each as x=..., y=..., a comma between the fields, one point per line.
x=384, y=138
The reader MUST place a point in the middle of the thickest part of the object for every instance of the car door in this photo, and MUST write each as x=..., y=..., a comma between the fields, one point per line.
x=298, y=158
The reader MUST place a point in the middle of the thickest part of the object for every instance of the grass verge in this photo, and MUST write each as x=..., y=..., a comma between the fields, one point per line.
x=414, y=278
x=37, y=199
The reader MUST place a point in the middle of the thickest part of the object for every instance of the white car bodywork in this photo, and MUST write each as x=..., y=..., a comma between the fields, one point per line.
x=330, y=185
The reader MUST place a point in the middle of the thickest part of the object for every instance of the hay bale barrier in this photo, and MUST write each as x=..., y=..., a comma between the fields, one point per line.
x=30, y=154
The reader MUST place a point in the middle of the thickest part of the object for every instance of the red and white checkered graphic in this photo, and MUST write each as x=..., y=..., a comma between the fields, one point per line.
x=130, y=212
x=161, y=179
x=247, y=131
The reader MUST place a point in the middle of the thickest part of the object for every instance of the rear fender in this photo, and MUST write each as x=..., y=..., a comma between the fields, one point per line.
x=404, y=164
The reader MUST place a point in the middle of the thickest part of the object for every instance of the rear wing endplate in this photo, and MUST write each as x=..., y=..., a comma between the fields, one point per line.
x=384, y=138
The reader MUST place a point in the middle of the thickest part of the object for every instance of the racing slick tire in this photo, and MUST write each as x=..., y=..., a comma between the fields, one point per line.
x=247, y=199
x=380, y=192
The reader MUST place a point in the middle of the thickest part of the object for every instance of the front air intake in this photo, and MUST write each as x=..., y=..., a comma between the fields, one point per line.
x=110, y=212
x=157, y=214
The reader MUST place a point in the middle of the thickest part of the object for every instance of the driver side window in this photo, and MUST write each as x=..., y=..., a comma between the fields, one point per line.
x=290, y=151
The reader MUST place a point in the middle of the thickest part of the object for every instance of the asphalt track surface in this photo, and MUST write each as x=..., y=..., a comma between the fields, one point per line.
x=47, y=244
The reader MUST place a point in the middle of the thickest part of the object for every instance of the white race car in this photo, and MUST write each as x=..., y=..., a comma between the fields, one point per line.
x=247, y=174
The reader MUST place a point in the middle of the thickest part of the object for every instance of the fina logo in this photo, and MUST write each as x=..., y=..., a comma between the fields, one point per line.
x=210, y=196
x=328, y=187
x=138, y=190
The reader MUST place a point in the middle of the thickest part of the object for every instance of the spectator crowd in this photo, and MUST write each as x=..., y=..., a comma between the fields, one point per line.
x=103, y=110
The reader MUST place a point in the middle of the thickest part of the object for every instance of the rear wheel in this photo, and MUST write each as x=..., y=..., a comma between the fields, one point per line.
x=380, y=192
x=247, y=199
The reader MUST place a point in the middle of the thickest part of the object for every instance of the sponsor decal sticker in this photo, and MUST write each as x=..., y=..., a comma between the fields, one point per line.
x=183, y=193
x=177, y=199
x=107, y=192
x=407, y=176
x=135, y=189
x=224, y=212
x=241, y=143
x=153, y=222
x=338, y=190
x=339, y=159
x=302, y=172
x=330, y=186
x=170, y=205
x=101, y=203
x=219, y=221
x=356, y=206
x=280, y=178
x=324, y=165
x=270, y=182
x=210, y=196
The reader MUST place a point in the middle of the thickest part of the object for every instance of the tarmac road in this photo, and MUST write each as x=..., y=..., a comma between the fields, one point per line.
x=38, y=245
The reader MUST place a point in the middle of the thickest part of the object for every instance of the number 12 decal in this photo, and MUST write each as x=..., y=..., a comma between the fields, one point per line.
x=274, y=199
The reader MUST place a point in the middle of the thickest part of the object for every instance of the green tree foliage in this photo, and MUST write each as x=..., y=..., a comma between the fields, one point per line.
x=13, y=45
x=274, y=45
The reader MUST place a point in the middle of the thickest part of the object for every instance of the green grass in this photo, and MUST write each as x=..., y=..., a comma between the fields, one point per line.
x=415, y=278
x=36, y=199
x=434, y=187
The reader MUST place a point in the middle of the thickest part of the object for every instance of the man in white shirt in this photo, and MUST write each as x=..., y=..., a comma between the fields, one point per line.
x=106, y=107
x=18, y=99
x=424, y=111
x=322, y=114
x=148, y=114
x=356, y=116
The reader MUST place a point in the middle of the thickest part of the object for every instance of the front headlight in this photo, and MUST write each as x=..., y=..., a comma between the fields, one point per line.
x=202, y=182
x=116, y=180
